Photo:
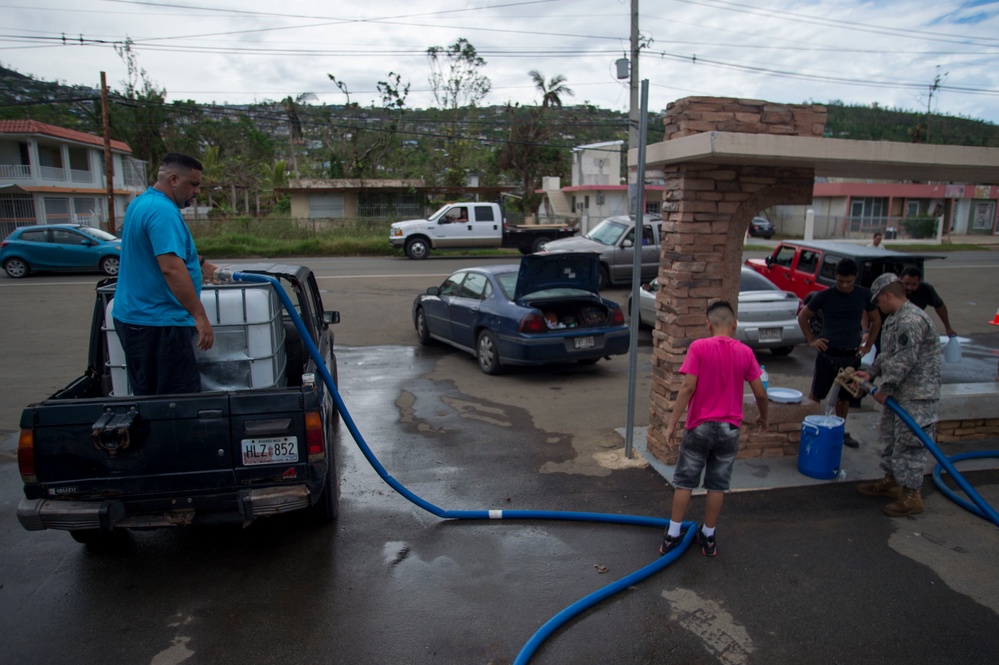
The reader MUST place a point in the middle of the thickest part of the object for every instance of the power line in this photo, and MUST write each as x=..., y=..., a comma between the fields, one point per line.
x=795, y=17
x=690, y=59
x=694, y=60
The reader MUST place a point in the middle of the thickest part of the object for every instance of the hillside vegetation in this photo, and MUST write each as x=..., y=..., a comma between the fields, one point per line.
x=251, y=151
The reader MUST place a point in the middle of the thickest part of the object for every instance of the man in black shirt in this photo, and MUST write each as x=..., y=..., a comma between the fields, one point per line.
x=839, y=344
x=922, y=294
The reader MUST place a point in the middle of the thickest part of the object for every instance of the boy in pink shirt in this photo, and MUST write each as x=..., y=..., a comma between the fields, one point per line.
x=714, y=370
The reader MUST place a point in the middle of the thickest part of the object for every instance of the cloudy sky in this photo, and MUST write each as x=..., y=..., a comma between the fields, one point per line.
x=890, y=52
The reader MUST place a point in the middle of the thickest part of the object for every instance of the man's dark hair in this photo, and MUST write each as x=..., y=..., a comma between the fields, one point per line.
x=897, y=289
x=912, y=271
x=719, y=304
x=179, y=159
x=846, y=267
x=721, y=313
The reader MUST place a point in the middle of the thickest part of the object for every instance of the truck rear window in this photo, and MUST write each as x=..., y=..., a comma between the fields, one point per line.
x=484, y=214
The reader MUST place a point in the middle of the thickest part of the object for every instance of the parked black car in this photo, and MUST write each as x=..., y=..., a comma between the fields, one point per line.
x=761, y=227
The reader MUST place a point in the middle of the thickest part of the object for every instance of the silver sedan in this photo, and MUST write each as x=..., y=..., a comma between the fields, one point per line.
x=768, y=317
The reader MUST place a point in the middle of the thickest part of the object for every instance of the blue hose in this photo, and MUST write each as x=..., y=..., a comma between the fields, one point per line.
x=565, y=615
x=951, y=494
x=979, y=507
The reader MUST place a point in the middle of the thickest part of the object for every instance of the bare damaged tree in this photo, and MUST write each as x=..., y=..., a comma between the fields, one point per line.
x=458, y=85
x=357, y=151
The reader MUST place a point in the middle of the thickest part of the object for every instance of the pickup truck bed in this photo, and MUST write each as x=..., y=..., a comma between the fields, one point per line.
x=94, y=462
x=471, y=225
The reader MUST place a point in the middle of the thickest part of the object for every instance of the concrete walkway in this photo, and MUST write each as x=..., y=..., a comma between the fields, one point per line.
x=861, y=463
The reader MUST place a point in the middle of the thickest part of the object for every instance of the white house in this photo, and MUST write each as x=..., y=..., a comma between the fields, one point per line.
x=597, y=190
x=51, y=175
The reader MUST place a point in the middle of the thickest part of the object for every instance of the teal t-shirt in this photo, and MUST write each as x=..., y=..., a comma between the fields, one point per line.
x=153, y=226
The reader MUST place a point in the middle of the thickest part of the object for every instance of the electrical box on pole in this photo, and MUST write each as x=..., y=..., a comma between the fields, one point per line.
x=623, y=68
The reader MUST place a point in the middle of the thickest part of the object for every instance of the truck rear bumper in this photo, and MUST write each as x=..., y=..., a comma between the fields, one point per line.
x=39, y=514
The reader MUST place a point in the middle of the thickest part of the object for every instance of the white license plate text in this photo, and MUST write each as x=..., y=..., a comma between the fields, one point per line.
x=277, y=450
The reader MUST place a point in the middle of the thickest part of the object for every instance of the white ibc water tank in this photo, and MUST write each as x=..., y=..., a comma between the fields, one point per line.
x=116, y=355
x=249, y=340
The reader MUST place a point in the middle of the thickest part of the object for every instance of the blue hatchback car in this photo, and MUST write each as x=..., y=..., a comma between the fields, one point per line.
x=44, y=247
x=544, y=310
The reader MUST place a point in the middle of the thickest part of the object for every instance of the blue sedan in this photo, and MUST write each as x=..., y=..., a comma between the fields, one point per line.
x=59, y=247
x=544, y=310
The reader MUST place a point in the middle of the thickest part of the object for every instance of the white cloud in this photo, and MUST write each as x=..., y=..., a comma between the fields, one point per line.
x=785, y=51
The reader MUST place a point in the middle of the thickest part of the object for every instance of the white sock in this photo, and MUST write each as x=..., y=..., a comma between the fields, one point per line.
x=708, y=533
x=674, y=528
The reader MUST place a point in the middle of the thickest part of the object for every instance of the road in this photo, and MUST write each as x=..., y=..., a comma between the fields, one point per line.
x=807, y=575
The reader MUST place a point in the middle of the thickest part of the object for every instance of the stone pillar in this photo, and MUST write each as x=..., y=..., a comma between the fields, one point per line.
x=706, y=211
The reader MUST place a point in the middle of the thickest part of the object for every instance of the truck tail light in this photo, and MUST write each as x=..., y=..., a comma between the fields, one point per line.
x=26, y=456
x=532, y=323
x=314, y=436
x=617, y=317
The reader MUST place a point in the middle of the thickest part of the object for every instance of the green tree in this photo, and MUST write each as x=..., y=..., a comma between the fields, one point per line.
x=553, y=90
x=528, y=153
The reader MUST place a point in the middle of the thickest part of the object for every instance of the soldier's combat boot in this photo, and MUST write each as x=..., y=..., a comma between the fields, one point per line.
x=884, y=487
x=910, y=503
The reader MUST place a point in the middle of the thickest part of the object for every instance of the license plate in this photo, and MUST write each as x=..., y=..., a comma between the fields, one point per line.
x=278, y=450
x=582, y=342
x=771, y=334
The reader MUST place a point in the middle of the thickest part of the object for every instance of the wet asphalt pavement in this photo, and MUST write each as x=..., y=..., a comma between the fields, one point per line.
x=804, y=575
x=811, y=575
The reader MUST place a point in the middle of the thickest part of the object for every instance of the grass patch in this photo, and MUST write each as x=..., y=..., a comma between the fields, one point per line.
x=250, y=237
x=246, y=237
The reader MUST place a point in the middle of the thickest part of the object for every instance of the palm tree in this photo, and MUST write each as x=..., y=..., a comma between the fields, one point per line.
x=553, y=90
x=273, y=176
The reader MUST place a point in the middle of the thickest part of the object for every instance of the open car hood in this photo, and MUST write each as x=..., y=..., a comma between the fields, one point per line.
x=551, y=270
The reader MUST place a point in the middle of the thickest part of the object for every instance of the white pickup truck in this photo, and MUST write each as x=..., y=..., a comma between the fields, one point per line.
x=471, y=226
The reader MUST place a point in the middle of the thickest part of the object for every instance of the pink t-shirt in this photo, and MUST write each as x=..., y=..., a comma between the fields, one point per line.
x=720, y=364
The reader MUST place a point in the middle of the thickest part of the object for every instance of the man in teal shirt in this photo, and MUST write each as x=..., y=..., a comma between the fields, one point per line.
x=157, y=306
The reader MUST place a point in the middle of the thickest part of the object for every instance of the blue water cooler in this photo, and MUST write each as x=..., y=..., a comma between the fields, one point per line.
x=821, y=449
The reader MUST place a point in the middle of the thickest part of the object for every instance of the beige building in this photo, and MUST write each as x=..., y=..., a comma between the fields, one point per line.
x=355, y=198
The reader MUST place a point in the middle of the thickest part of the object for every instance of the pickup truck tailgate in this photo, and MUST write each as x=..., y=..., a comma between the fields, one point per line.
x=136, y=446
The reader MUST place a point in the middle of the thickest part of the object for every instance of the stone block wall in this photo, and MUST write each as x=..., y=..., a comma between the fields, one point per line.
x=784, y=433
x=706, y=210
x=952, y=431
x=694, y=115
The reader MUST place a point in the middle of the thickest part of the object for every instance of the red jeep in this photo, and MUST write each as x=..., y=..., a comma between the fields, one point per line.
x=804, y=267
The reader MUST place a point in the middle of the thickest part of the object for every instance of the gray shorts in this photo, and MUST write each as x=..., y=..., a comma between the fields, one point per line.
x=710, y=447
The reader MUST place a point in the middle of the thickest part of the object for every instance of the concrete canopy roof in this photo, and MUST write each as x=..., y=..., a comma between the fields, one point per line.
x=880, y=160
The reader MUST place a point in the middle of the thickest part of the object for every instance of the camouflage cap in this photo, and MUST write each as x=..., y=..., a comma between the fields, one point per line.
x=881, y=282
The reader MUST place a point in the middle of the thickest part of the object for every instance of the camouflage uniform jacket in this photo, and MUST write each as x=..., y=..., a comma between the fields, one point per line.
x=909, y=360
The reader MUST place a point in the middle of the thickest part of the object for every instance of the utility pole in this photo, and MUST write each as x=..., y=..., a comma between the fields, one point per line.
x=108, y=161
x=937, y=80
x=633, y=110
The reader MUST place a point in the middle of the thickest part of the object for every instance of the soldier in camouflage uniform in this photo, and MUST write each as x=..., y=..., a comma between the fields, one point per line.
x=909, y=368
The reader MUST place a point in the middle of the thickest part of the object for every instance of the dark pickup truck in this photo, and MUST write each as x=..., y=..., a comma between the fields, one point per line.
x=258, y=441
